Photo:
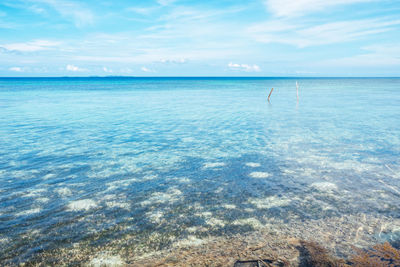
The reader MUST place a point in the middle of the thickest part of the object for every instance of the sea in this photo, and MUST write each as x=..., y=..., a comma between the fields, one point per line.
x=129, y=166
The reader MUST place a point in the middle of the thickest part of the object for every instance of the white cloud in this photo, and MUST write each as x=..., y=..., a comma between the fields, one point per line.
x=79, y=14
x=165, y=2
x=297, y=8
x=146, y=69
x=174, y=61
x=17, y=69
x=244, y=67
x=142, y=10
x=73, y=68
x=173, y=41
x=33, y=46
x=382, y=55
x=105, y=69
x=7, y=25
x=37, y=10
x=300, y=35
x=206, y=36
x=194, y=15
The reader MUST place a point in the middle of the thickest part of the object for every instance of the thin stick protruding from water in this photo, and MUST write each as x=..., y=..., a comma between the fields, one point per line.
x=297, y=91
x=269, y=96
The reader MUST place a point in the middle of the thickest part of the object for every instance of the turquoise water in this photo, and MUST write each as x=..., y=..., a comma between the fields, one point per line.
x=145, y=163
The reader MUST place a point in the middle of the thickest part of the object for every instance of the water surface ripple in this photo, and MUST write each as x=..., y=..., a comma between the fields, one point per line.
x=141, y=164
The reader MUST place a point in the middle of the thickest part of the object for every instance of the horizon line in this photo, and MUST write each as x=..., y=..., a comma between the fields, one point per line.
x=122, y=76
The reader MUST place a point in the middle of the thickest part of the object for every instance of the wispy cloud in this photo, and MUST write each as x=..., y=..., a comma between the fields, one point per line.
x=297, y=8
x=244, y=67
x=181, y=34
x=300, y=35
x=143, y=10
x=165, y=2
x=379, y=55
x=36, y=9
x=33, y=46
x=7, y=25
x=16, y=69
x=75, y=11
x=196, y=38
x=184, y=13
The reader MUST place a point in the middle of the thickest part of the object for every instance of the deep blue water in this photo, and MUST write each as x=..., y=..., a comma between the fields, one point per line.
x=91, y=161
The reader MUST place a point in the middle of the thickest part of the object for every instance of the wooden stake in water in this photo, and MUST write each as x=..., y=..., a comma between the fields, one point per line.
x=297, y=91
x=269, y=96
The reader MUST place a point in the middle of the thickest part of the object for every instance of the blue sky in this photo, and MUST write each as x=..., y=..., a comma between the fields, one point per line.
x=200, y=38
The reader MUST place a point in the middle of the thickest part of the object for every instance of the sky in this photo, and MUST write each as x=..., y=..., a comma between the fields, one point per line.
x=200, y=38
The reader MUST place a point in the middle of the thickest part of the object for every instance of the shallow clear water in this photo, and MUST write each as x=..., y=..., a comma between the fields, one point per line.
x=120, y=161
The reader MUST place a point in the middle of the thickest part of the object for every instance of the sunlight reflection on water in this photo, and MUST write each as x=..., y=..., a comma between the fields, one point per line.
x=148, y=164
